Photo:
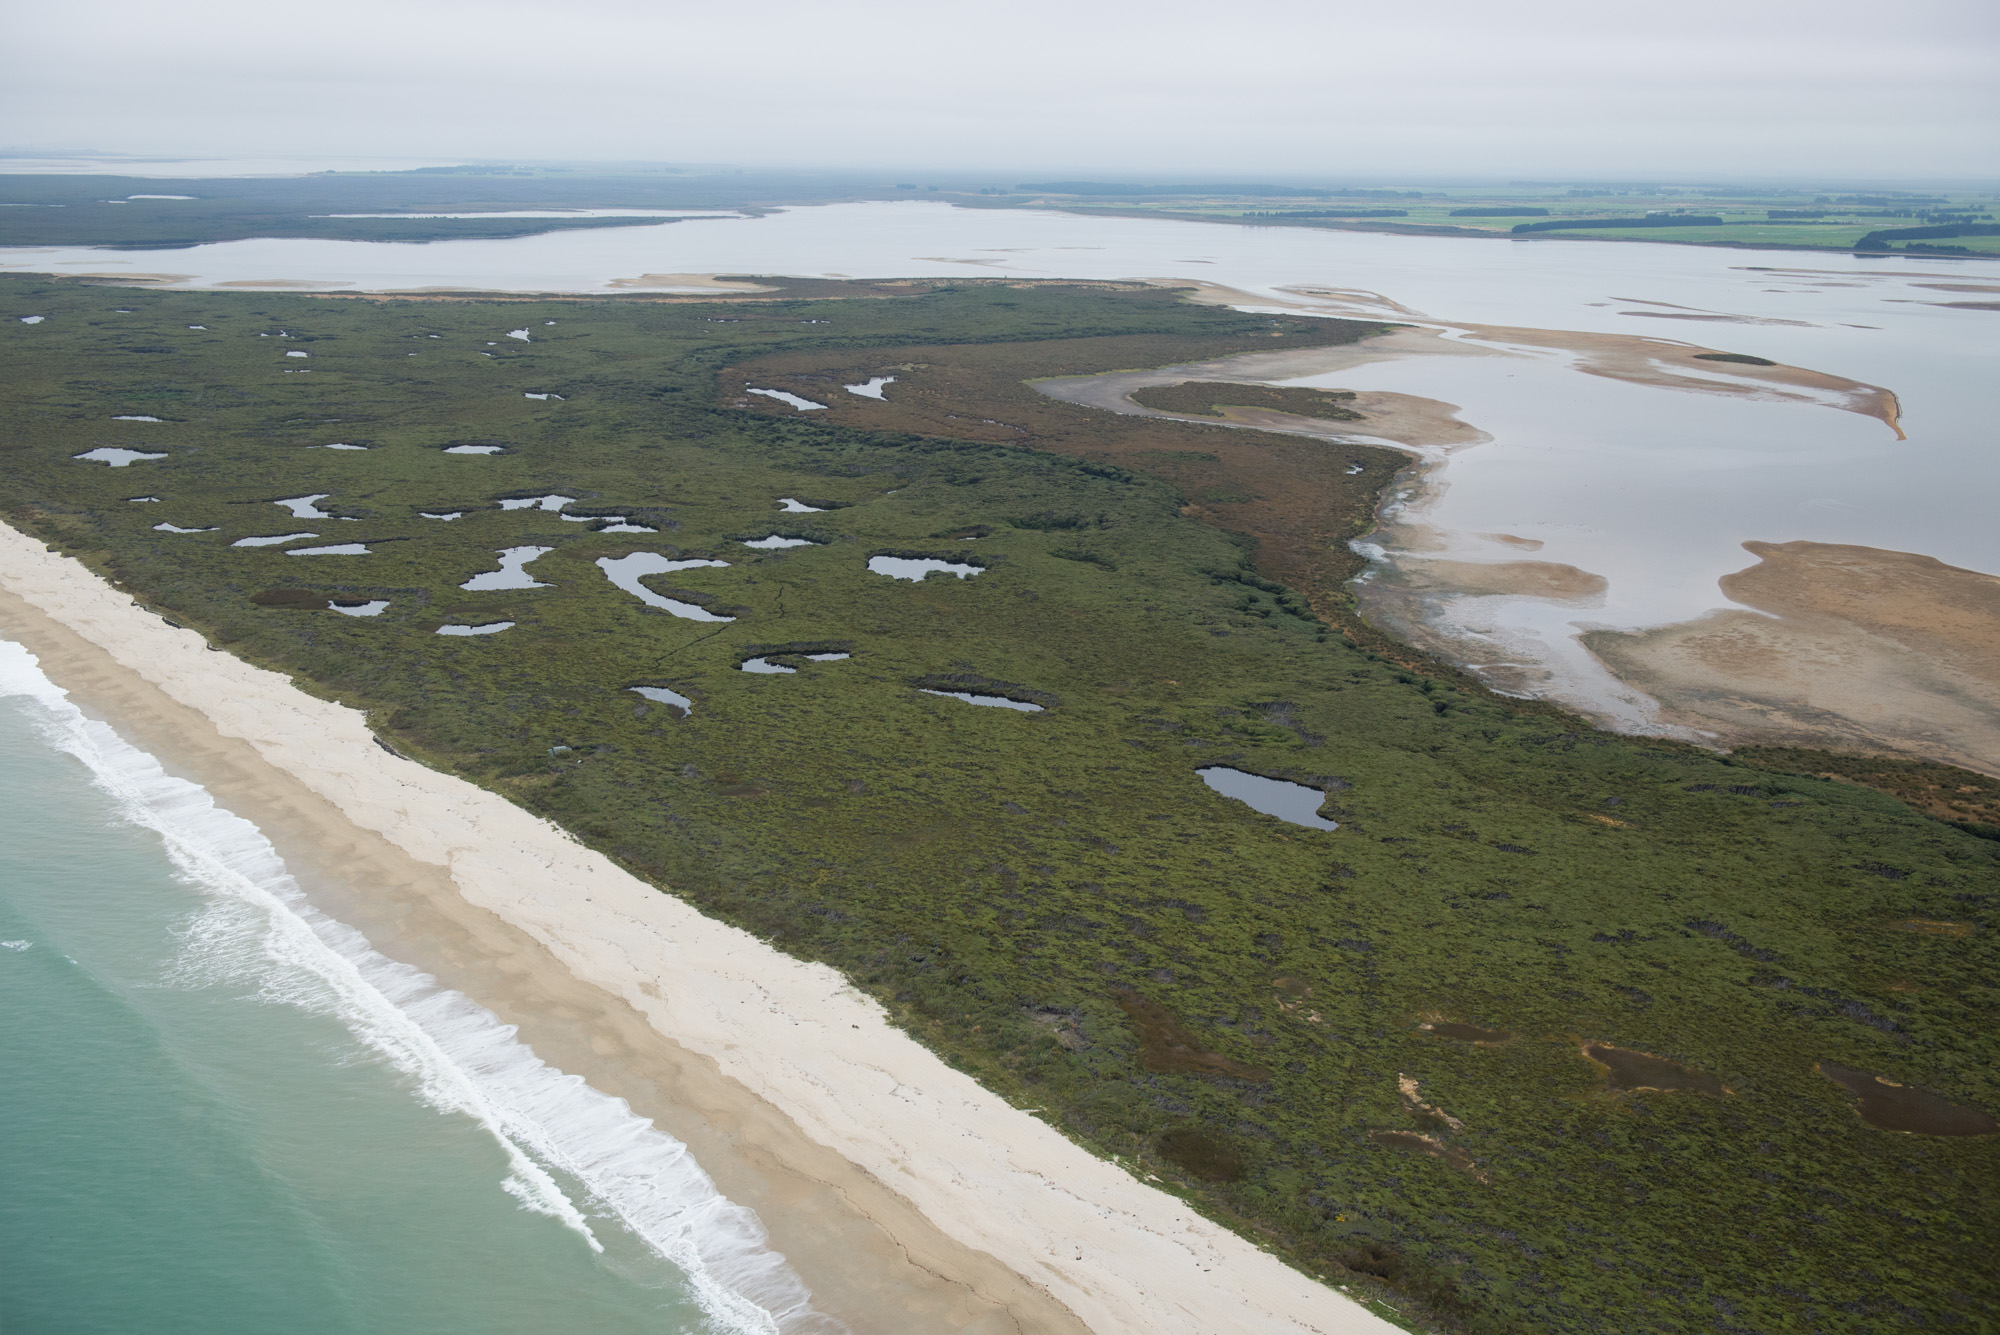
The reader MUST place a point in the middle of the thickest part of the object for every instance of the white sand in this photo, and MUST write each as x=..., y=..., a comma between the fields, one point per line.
x=1120, y=1255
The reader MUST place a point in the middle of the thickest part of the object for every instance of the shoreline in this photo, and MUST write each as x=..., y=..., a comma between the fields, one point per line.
x=852, y=1142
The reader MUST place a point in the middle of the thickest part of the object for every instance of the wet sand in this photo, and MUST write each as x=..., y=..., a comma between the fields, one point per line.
x=1859, y=649
x=907, y=1197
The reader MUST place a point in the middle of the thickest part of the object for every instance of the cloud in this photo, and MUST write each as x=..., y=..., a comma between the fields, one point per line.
x=1264, y=86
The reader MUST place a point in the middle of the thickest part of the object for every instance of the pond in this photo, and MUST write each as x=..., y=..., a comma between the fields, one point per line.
x=994, y=701
x=626, y=571
x=792, y=505
x=661, y=695
x=373, y=607
x=776, y=541
x=536, y=502
x=511, y=574
x=1889, y=1106
x=176, y=528
x=1629, y=1070
x=116, y=457
x=337, y=549
x=1292, y=802
x=306, y=507
x=873, y=389
x=490, y=628
x=903, y=567
x=803, y=405
x=471, y=449
x=272, y=539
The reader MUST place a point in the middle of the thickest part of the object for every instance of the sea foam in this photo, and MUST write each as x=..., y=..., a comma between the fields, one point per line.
x=258, y=927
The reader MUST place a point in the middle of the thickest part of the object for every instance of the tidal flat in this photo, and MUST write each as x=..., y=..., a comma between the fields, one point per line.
x=1055, y=901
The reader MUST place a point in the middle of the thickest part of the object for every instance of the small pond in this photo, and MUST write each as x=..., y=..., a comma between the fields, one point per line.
x=1293, y=802
x=776, y=541
x=661, y=695
x=803, y=405
x=763, y=665
x=176, y=528
x=134, y=417
x=343, y=445
x=536, y=502
x=994, y=701
x=373, y=607
x=272, y=540
x=903, y=567
x=1642, y=1070
x=792, y=505
x=337, y=549
x=306, y=507
x=626, y=571
x=474, y=449
x=873, y=389
x=490, y=628
x=511, y=574
x=116, y=457
x=447, y=516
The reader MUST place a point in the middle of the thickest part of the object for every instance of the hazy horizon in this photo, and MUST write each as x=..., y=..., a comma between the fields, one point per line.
x=1707, y=93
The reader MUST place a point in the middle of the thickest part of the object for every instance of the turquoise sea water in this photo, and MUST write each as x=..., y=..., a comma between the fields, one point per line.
x=221, y=1112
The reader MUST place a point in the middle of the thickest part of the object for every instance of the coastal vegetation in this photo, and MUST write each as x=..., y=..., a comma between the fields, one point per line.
x=1558, y=1030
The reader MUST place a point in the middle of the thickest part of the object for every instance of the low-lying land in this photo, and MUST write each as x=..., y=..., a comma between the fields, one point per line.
x=1557, y=1031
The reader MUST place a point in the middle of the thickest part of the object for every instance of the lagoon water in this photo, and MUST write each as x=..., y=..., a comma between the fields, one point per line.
x=224, y=1113
x=1653, y=489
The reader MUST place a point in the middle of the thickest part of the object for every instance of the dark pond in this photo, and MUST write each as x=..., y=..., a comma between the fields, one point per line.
x=1642, y=1070
x=1894, y=1107
x=1201, y=1155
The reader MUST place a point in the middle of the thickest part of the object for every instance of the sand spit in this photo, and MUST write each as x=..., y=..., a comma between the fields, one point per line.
x=1662, y=363
x=1861, y=649
x=700, y=282
x=1415, y=423
x=905, y=1195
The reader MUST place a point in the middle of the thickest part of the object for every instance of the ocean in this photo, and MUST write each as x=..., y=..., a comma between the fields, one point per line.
x=222, y=1111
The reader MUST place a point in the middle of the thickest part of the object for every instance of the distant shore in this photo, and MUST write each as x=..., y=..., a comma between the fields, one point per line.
x=906, y=1196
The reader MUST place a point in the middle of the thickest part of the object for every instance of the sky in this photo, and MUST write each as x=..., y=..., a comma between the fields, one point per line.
x=1584, y=89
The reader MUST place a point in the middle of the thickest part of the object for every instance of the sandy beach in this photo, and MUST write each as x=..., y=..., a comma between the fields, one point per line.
x=906, y=1196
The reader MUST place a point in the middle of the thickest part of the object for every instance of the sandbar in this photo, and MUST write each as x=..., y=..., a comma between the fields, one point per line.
x=1850, y=647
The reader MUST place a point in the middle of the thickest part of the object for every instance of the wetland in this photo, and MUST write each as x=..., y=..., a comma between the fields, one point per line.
x=1057, y=902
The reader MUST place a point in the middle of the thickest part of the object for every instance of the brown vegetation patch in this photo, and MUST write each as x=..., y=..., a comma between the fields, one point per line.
x=1201, y=1154
x=1943, y=792
x=1294, y=497
x=1628, y=1070
x=1206, y=398
x=1417, y=1143
x=1168, y=1048
x=1465, y=1033
x=1884, y=1104
x=1932, y=927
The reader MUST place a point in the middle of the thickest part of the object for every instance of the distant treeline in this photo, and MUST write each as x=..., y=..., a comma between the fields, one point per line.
x=1880, y=240
x=1332, y=213
x=1659, y=220
x=1262, y=191
x=1933, y=233
x=1500, y=213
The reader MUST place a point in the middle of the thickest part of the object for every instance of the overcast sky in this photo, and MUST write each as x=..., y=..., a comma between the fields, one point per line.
x=1886, y=89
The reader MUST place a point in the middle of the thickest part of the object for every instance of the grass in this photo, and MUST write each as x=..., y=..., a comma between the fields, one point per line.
x=1054, y=902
